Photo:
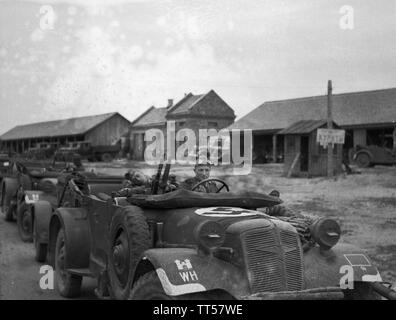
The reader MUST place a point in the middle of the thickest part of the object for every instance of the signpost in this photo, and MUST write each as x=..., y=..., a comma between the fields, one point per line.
x=330, y=166
x=330, y=136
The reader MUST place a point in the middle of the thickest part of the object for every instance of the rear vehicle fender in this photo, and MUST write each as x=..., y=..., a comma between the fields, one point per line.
x=42, y=211
x=77, y=237
x=10, y=188
x=333, y=267
x=184, y=271
x=366, y=151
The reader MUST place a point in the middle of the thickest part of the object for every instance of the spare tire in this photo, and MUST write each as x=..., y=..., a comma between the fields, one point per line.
x=129, y=239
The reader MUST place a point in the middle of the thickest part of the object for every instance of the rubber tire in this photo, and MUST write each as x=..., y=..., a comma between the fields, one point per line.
x=70, y=286
x=6, y=204
x=149, y=287
x=363, y=156
x=25, y=237
x=40, y=248
x=106, y=157
x=361, y=291
x=132, y=220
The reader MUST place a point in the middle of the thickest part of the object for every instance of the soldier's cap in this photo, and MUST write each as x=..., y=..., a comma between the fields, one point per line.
x=129, y=174
x=203, y=161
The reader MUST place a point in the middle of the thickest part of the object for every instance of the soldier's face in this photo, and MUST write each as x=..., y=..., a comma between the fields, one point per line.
x=202, y=172
x=139, y=179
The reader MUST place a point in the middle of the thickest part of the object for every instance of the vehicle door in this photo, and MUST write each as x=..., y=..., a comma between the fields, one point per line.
x=99, y=220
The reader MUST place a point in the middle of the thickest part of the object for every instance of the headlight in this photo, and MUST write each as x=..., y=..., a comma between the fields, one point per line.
x=209, y=235
x=326, y=232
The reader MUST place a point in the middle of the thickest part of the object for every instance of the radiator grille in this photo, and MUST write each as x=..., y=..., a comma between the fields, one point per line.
x=273, y=260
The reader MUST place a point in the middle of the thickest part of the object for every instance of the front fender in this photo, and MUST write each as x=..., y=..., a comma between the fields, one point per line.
x=326, y=268
x=42, y=214
x=183, y=271
x=77, y=237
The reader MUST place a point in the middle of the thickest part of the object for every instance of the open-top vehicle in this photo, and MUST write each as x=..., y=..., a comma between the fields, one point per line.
x=191, y=245
x=25, y=183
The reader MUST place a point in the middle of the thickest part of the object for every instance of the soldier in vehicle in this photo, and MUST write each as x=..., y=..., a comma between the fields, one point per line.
x=137, y=182
x=127, y=182
x=202, y=172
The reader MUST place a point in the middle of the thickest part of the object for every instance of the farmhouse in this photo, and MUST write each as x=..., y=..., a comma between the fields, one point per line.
x=204, y=111
x=98, y=130
x=368, y=117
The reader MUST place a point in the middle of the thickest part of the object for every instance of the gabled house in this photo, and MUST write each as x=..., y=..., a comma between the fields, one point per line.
x=204, y=111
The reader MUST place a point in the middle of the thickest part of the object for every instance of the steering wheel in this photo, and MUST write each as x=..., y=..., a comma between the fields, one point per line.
x=203, y=182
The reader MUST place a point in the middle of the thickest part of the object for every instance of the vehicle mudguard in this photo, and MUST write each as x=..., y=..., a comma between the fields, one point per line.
x=77, y=236
x=327, y=268
x=363, y=151
x=10, y=185
x=42, y=211
x=183, y=271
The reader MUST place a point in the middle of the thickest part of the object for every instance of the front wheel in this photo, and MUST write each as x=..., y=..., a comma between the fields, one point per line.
x=25, y=222
x=129, y=239
x=149, y=287
x=7, y=205
x=68, y=285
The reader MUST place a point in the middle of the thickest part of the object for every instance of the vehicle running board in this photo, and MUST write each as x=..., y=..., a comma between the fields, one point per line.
x=84, y=272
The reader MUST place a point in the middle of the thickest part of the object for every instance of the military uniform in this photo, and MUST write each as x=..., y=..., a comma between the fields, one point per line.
x=191, y=182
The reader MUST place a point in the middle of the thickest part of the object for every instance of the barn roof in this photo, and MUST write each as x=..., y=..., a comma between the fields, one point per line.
x=349, y=109
x=305, y=126
x=66, y=127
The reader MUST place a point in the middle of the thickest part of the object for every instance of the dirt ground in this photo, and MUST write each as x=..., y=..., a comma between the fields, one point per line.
x=364, y=204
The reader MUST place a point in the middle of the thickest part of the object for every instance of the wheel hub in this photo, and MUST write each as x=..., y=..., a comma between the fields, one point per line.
x=120, y=258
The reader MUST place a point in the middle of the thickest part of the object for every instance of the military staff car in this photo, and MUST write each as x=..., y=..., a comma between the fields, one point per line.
x=191, y=245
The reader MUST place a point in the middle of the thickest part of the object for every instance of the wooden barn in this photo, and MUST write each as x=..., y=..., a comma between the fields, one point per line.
x=304, y=156
x=97, y=130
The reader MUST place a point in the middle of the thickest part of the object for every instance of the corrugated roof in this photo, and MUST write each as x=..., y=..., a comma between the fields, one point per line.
x=66, y=127
x=349, y=109
x=303, y=127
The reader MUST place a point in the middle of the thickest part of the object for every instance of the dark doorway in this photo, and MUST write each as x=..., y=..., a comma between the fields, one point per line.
x=304, y=149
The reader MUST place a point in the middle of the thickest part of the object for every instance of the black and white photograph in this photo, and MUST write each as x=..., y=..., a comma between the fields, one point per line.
x=225, y=152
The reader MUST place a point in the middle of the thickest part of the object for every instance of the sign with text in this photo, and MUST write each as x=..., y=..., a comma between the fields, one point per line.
x=333, y=136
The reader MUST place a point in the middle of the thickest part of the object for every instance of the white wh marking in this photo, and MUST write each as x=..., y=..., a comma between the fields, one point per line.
x=182, y=265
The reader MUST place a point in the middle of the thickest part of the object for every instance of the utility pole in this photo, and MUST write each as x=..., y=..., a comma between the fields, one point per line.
x=330, y=167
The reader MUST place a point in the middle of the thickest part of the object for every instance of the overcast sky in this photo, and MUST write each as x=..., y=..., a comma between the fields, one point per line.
x=96, y=56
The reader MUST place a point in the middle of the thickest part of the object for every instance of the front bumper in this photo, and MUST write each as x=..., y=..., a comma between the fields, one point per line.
x=327, y=293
